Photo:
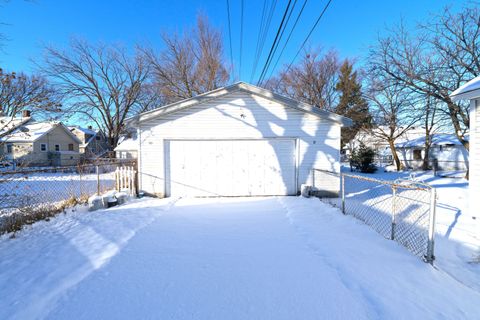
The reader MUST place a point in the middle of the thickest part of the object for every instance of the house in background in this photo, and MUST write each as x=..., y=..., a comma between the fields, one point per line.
x=471, y=91
x=239, y=140
x=445, y=148
x=370, y=138
x=93, y=143
x=127, y=147
x=45, y=143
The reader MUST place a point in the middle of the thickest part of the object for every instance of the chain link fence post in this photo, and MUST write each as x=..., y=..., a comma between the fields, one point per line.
x=342, y=177
x=394, y=211
x=98, y=180
x=431, y=228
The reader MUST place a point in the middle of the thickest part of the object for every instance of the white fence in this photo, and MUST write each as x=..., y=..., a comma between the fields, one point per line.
x=125, y=178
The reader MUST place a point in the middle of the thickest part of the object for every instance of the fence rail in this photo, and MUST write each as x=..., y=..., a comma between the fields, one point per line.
x=27, y=191
x=401, y=210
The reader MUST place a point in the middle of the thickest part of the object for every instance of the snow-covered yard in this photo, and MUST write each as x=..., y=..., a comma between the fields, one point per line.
x=37, y=188
x=457, y=243
x=238, y=258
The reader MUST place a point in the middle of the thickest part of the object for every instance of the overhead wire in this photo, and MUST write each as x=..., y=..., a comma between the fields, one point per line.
x=274, y=41
x=306, y=39
x=288, y=38
x=230, y=37
x=241, y=39
x=263, y=37
x=279, y=40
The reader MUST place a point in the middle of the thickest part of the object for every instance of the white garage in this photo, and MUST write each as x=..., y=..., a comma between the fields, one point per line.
x=239, y=140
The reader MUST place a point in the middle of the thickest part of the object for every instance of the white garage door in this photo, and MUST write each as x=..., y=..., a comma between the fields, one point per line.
x=230, y=167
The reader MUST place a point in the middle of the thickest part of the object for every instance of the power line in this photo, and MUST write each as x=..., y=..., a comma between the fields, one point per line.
x=288, y=38
x=230, y=37
x=274, y=41
x=264, y=37
x=260, y=33
x=306, y=39
x=269, y=62
x=241, y=40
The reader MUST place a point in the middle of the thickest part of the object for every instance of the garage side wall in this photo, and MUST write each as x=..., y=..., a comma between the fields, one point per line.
x=240, y=115
x=474, y=155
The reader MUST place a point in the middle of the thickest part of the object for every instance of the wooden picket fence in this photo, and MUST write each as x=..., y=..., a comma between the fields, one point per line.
x=125, y=179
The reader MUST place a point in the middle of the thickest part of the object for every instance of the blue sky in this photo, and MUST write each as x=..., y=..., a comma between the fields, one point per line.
x=349, y=26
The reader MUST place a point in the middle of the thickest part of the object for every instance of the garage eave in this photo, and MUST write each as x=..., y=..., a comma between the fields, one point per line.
x=202, y=98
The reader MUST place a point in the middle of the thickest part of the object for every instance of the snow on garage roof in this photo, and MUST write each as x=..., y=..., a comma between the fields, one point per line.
x=469, y=90
x=240, y=86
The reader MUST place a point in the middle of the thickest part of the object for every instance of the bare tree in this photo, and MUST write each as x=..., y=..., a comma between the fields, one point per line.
x=435, y=62
x=101, y=82
x=391, y=106
x=20, y=91
x=313, y=80
x=190, y=64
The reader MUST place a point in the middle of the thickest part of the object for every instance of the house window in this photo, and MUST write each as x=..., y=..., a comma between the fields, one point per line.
x=9, y=148
x=57, y=147
x=43, y=147
x=417, y=154
x=70, y=147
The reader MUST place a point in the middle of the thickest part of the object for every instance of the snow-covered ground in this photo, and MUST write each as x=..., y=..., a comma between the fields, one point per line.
x=238, y=258
x=457, y=246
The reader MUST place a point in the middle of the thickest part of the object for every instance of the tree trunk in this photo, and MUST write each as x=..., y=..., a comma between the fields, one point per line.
x=426, y=158
x=398, y=164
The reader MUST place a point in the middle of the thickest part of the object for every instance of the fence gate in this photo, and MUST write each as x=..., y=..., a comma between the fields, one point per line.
x=125, y=180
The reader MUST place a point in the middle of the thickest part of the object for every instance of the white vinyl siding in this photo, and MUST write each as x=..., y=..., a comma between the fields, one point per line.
x=240, y=115
x=474, y=154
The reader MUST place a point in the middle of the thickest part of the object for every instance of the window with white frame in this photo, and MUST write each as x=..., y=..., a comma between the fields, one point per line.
x=43, y=147
x=9, y=148
x=57, y=147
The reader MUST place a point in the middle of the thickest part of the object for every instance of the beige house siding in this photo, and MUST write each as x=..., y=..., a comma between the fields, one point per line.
x=54, y=137
x=30, y=154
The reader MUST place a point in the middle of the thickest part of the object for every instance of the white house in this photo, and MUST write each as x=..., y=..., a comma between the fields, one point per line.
x=471, y=91
x=371, y=138
x=445, y=148
x=239, y=140
x=127, y=147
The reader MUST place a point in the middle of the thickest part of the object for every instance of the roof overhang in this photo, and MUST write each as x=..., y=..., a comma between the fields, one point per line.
x=470, y=90
x=239, y=86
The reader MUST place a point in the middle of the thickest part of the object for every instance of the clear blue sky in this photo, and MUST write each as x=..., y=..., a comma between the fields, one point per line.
x=348, y=25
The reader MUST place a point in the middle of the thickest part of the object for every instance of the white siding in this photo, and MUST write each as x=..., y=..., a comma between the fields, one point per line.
x=239, y=115
x=474, y=181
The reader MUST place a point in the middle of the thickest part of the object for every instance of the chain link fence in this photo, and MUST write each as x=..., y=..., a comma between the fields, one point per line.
x=401, y=210
x=29, y=195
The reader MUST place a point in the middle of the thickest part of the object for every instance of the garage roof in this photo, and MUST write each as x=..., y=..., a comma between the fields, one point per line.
x=240, y=86
x=469, y=90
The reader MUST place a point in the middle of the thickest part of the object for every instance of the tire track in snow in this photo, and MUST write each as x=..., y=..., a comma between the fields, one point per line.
x=357, y=290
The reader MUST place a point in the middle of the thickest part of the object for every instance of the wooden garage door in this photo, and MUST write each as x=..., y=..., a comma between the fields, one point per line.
x=230, y=167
